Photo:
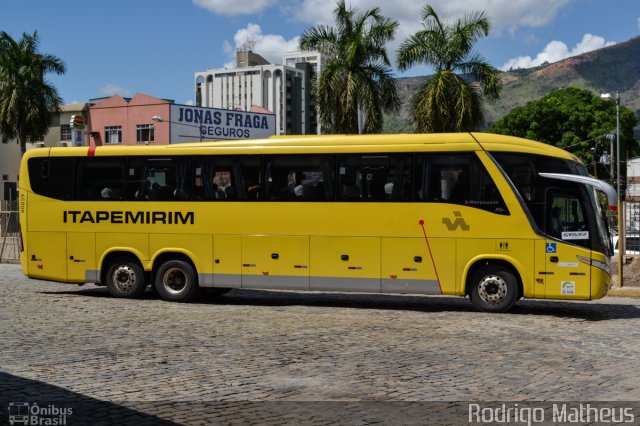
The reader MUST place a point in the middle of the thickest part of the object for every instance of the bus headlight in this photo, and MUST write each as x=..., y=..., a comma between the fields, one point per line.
x=600, y=265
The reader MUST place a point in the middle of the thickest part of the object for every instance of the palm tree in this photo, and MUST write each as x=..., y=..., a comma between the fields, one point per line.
x=27, y=99
x=449, y=102
x=357, y=78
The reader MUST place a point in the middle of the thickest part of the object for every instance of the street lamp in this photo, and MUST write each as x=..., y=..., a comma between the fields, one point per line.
x=202, y=129
x=621, y=223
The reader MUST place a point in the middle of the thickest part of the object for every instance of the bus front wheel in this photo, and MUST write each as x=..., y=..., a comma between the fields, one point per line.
x=125, y=278
x=495, y=289
x=176, y=281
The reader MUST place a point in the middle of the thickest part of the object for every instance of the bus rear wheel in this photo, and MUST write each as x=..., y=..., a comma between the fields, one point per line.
x=495, y=289
x=176, y=281
x=125, y=278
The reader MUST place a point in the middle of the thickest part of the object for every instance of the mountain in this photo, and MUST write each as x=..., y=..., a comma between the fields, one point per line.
x=606, y=70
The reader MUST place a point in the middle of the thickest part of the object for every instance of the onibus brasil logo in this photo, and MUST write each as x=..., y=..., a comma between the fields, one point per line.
x=23, y=413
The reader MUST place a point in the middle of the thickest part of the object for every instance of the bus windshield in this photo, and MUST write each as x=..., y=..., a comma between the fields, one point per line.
x=552, y=201
x=601, y=219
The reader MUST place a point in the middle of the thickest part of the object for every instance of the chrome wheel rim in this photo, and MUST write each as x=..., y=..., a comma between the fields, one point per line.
x=124, y=278
x=174, y=280
x=492, y=289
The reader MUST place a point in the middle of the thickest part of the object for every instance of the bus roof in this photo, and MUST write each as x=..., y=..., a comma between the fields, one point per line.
x=327, y=143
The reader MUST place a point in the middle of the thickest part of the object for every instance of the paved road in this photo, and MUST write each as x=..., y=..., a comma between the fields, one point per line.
x=281, y=357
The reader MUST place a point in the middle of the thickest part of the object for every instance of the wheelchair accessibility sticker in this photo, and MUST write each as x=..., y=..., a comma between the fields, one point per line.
x=551, y=247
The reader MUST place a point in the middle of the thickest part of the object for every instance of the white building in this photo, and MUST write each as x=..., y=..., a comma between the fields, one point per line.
x=281, y=89
x=313, y=63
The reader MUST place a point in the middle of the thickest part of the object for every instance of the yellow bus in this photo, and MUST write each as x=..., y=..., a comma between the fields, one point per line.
x=491, y=217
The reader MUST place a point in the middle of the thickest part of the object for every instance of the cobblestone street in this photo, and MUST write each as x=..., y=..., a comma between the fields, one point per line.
x=266, y=353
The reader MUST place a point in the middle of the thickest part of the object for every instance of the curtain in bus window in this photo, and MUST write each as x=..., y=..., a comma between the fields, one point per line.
x=238, y=180
x=423, y=171
x=396, y=183
x=208, y=172
x=327, y=176
x=183, y=179
x=398, y=186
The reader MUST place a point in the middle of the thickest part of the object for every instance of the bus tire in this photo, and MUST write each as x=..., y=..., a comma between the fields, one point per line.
x=176, y=281
x=495, y=289
x=125, y=278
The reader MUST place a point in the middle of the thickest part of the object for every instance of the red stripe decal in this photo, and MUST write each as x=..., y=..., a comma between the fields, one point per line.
x=435, y=268
x=92, y=151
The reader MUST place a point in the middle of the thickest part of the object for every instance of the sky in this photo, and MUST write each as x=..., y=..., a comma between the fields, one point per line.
x=156, y=46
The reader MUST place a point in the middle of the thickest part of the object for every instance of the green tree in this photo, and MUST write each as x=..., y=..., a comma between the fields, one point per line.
x=573, y=119
x=394, y=124
x=450, y=102
x=27, y=99
x=357, y=77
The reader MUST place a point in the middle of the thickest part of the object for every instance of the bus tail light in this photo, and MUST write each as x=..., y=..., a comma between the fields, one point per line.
x=20, y=236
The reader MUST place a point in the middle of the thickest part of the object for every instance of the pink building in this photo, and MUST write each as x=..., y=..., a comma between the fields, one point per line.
x=128, y=121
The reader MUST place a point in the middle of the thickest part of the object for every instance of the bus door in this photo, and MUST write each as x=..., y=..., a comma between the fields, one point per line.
x=566, y=225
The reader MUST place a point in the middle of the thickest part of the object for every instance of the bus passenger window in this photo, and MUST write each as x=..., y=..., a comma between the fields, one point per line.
x=299, y=178
x=398, y=185
x=349, y=178
x=458, y=178
x=159, y=178
x=379, y=178
x=100, y=179
x=52, y=176
x=522, y=178
x=246, y=177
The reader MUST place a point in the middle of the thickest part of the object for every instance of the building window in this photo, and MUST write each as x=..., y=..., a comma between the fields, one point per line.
x=113, y=134
x=145, y=133
x=65, y=132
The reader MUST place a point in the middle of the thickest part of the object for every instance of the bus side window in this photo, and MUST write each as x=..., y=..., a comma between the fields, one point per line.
x=246, y=177
x=349, y=178
x=52, y=176
x=159, y=178
x=205, y=171
x=398, y=185
x=458, y=178
x=100, y=179
x=183, y=172
x=522, y=178
x=299, y=178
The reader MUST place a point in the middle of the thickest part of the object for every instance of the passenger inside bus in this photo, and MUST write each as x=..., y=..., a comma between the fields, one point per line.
x=223, y=190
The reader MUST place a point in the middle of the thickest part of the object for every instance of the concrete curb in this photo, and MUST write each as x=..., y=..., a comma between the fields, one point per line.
x=624, y=292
